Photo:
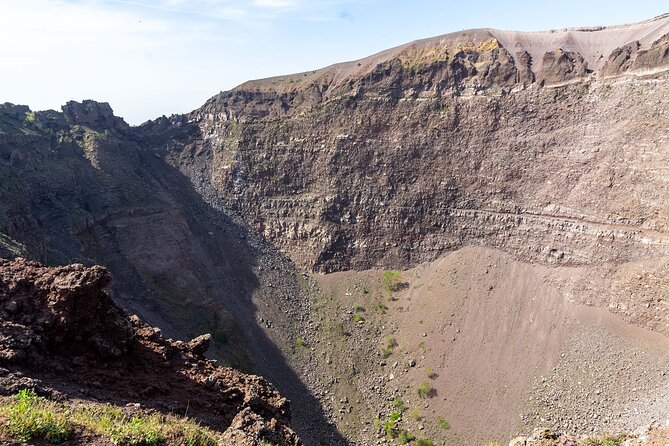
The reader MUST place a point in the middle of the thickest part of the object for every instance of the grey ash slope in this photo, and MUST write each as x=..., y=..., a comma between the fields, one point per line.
x=594, y=44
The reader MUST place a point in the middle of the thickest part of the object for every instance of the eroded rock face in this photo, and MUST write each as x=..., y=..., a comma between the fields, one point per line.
x=373, y=180
x=631, y=58
x=562, y=66
x=63, y=309
x=61, y=332
x=93, y=114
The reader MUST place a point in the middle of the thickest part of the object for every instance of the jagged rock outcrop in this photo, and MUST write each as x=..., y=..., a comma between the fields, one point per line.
x=631, y=58
x=75, y=316
x=562, y=66
x=61, y=333
x=620, y=59
x=94, y=114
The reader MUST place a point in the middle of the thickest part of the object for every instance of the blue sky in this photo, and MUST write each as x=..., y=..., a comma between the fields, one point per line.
x=153, y=57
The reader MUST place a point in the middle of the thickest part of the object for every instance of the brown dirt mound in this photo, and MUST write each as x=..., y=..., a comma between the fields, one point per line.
x=62, y=334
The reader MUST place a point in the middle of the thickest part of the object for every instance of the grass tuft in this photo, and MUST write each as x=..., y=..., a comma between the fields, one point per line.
x=31, y=417
x=27, y=416
x=445, y=425
x=425, y=390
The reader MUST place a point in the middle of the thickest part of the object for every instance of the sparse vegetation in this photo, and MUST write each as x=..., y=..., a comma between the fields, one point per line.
x=27, y=416
x=387, y=350
x=443, y=424
x=357, y=318
x=300, y=342
x=390, y=426
x=399, y=404
x=425, y=390
x=31, y=417
x=405, y=437
x=416, y=415
x=424, y=442
x=341, y=330
x=606, y=440
x=391, y=280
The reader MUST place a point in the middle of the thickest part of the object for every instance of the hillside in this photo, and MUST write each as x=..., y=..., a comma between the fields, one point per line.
x=481, y=215
x=63, y=337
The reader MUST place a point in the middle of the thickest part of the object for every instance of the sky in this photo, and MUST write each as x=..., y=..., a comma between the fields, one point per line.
x=149, y=58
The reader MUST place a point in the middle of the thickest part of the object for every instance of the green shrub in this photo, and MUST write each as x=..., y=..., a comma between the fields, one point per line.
x=391, y=343
x=425, y=390
x=30, y=118
x=424, y=442
x=416, y=415
x=221, y=336
x=399, y=404
x=300, y=342
x=405, y=437
x=445, y=425
x=390, y=429
x=391, y=280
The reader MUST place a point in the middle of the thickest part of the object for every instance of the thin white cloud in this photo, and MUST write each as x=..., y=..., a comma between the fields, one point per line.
x=276, y=4
x=145, y=57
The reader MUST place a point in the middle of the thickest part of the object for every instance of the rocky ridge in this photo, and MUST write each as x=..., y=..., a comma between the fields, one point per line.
x=395, y=159
x=61, y=334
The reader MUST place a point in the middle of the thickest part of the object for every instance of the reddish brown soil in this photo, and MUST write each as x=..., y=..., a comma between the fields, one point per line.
x=61, y=334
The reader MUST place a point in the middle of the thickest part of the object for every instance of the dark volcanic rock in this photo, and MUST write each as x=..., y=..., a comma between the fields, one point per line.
x=562, y=66
x=631, y=58
x=620, y=59
x=94, y=114
x=525, y=73
x=60, y=331
x=73, y=313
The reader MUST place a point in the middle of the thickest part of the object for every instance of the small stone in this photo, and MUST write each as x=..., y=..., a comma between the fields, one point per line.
x=200, y=344
x=11, y=306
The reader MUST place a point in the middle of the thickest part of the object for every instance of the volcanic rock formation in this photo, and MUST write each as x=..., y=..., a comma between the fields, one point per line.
x=548, y=148
x=62, y=334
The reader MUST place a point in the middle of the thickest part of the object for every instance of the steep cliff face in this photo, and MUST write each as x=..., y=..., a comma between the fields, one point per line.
x=398, y=158
x=76, y=186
